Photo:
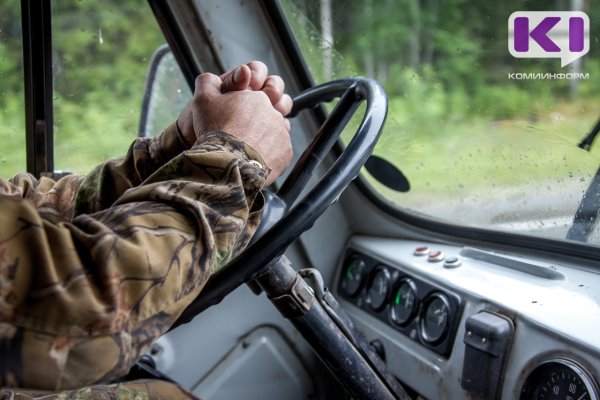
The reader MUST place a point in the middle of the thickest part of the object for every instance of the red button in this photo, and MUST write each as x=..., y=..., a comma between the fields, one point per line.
x=435, y=256
x=421, y=251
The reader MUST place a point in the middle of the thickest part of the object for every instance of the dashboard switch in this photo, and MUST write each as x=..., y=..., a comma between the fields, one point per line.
x=421, y=251
x=452, y=262
x=435, y=256
x=487, y=340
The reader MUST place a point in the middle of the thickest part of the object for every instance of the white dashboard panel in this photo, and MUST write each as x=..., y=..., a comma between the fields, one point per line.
x=555, y=309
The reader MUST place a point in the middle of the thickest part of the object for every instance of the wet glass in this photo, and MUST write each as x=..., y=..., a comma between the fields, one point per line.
x=485, y=139
x=101, y=54
x=166, y=95
x=12, y=100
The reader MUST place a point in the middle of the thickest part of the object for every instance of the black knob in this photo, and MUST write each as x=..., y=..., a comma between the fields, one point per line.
x=377, y=347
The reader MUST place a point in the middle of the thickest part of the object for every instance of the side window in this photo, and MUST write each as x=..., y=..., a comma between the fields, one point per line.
x=101, y=54
x=12, y=111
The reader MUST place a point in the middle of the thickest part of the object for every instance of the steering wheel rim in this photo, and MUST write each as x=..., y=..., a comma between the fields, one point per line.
x=269, y=244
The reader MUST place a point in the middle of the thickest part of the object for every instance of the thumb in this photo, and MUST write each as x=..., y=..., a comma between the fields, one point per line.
x=236, y=79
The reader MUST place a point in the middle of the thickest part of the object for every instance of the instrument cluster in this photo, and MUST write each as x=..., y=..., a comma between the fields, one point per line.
x=420, y=310
x=560, y=378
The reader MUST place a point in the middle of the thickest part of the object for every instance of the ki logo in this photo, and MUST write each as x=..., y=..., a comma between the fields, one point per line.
x=549, y=34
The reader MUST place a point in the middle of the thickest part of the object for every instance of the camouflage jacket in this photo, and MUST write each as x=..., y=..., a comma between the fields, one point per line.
x=94, y=269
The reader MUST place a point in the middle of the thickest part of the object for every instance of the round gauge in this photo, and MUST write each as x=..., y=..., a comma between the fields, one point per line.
x=404, y=302
x=435, y=318
x=559, y=379
x=353, y=276
x=380, y=287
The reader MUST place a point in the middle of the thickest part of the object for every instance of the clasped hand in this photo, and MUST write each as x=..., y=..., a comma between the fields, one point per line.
x=247, y=103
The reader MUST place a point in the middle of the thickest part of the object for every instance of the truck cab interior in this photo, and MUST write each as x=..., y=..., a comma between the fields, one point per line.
x=436, y=236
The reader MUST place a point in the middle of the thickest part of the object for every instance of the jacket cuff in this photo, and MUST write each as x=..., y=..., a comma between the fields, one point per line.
x=219, y=141
x=169, y=143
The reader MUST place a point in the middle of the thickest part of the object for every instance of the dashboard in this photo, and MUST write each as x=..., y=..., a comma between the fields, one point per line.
x=458, y=322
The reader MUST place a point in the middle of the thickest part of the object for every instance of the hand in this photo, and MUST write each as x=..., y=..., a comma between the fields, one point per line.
x=250, y=76
x=245, y=114
x=254, y=76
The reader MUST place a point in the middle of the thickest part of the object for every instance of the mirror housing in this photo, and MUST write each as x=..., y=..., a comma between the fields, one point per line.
x=166, y=93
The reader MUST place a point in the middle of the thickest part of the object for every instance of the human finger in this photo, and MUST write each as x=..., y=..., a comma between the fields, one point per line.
x=208, y=83
x=236, y=79
x=284, y=105
x=228, y=73
x=259, y=74
x=274, y=88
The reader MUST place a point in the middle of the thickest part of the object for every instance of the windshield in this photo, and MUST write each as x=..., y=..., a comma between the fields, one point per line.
x=485, y=138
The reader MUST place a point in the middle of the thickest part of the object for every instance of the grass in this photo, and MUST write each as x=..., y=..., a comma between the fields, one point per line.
x=84, y=134
x=462, y=157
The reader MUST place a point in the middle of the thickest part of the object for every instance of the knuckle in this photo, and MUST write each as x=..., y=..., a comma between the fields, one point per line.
x=257, y=65
x=198, y=80
x=203, y=78
x=202, y=81
x=275, y=83
x=278, y=81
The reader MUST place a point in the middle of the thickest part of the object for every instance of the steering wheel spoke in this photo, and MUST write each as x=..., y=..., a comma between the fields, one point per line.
x=322, y=143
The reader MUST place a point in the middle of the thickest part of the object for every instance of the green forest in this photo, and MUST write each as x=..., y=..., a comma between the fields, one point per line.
x=448, y=56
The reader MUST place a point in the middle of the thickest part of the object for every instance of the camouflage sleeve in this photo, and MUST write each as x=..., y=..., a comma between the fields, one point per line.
x=55, y=201
x=82, y=299
x=110, y=180
x=141, y=389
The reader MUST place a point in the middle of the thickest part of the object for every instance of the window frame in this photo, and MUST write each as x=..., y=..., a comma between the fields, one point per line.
x=37, y=67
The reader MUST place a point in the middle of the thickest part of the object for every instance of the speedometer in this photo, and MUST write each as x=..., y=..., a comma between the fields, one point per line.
x=559, y=379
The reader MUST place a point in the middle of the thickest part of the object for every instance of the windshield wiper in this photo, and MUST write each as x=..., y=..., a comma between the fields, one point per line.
x=588, y=141
x=587, y=213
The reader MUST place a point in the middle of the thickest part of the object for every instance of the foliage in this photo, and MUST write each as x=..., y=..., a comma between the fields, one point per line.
x=457, y=47
x=101, y=52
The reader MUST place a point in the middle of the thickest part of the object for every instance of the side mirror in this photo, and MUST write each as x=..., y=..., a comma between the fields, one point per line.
x=166, y=93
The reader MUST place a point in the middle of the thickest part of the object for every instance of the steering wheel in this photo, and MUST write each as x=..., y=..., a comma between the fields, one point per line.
x=280, y=227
